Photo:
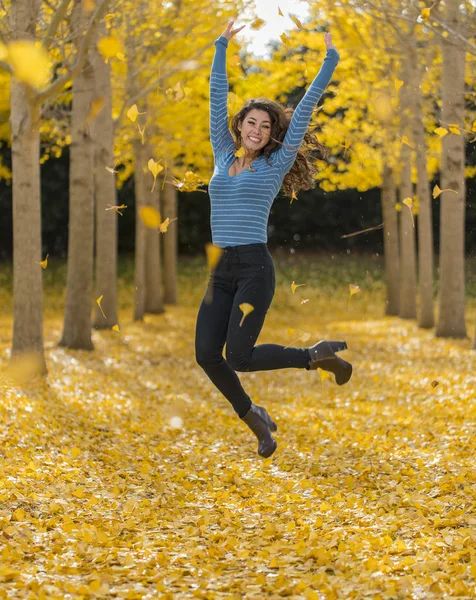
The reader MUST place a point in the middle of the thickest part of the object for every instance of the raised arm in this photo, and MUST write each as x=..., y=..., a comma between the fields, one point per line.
x=294, y=137
x=220, y=135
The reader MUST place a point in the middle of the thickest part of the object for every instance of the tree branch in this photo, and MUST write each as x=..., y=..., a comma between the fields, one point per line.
x=59, y=84
x=55, y=21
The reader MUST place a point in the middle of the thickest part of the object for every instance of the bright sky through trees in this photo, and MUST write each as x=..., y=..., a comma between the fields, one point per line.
x=274, y=25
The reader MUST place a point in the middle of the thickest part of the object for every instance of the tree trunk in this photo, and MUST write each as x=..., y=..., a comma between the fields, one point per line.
x=26, y=197
x=425, y=231
x=390, y=238
x=140, y=192
x=79, y=288
x=170, y=242
x=153, y=272
x=102, y=132
x=407, y=229
x=451, y=319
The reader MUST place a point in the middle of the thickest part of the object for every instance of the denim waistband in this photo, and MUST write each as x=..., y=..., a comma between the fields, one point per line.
x=258, y=247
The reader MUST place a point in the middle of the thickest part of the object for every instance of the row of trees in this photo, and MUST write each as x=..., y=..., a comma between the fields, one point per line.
x=384, y=122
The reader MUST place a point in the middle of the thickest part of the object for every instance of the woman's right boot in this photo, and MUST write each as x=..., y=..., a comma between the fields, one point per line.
x=261, y=425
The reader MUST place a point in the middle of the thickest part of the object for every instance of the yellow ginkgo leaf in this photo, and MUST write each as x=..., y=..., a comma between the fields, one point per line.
x=425, y=13
x=109, y=46
x=133, y=112
x=108, y=17
x=409, y=202
x=150, y=217
x=285, y=39
x=164, y=225
x=294, y=286
x=111, y=170
x=293, y=196
x=280, y=12
x=454, y=128
x=30, y=63
x=98, y=301
x=440, y=131
x=240, y=152
x=406, y=141
x=116, y=328
x=296, y=22
x=302, y=338
x=353, y=289
x=44, y=263
x=246, y=310
x=121, y=56
x=213, y=255
x=155, y=168
x=142, y=132
x=96, y=106
x=324, y=375
x=398, y=84
x=257, y=24
x=437, y=191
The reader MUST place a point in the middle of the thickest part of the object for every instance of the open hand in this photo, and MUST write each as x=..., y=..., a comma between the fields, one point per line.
x=229, y=32
x=328, y=40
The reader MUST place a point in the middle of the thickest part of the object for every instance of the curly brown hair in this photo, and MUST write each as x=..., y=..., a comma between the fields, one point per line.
x=302, y=174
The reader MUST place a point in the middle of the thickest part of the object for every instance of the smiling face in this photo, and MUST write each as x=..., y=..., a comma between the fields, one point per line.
x=255, y=130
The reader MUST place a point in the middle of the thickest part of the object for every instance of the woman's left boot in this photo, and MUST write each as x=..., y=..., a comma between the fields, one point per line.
x=323, y=356
x=261, y=424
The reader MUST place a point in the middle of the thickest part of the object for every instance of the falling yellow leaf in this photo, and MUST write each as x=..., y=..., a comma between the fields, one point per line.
x=398, y=84
x=30, y=63
x=155, y=168
x=246, y=310
x=150, y=217
x=285, y=39
x=406, y=141
x=302, y=338
x=213, y=255
x=440, y=131
x=240, y=152
x=293, y=196
x=296, y=22
x=164, y=225
x=425, y=13
x=121, y=56
x=116, y=328
x=133, y=113
x=109, y=47
x=117, y=208
x=437, y=191
x=280, y=13
x=98, y=301
x=44, y=263
x=409, y=202
x=142, y=132
x=294, y=286
x=353, y=289
x=257, y=24
x=97, y=104
x=454, y=128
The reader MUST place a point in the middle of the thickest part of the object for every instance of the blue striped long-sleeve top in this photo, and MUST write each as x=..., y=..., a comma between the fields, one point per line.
x=240, y=204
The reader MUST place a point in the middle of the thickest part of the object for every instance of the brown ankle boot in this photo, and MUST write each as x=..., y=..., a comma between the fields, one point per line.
x=261, y=425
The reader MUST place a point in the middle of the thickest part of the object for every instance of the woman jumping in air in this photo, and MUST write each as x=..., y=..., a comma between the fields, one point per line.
x=242, y=191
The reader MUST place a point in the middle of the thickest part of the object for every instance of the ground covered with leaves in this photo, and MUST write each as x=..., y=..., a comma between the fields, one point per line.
x=126, y=474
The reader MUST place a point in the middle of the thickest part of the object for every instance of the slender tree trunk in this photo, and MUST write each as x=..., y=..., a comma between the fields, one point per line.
x=390, y=238
x=169, y=242
x=425, y=231
x=451, y=318
x=140, y=192
x=407, y=229
x=153, y=272
x=26, y=195
x=102, y=131
x=79, y=283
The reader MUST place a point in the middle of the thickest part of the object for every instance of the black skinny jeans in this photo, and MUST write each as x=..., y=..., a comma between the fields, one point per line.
x=243, y=274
